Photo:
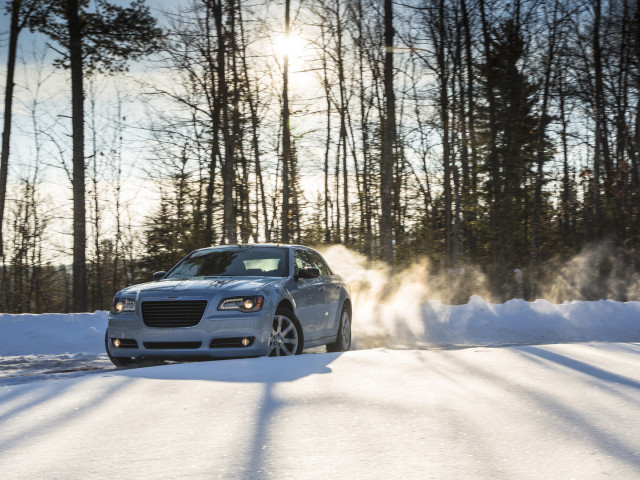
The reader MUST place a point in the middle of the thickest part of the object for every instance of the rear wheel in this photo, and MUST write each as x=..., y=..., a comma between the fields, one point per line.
x=286, y=334
x=343, y=337
x=118, y=361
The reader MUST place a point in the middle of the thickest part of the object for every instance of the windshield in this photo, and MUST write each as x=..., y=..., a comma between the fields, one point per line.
x=234, y=262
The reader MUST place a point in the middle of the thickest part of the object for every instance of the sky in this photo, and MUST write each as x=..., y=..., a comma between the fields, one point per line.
x=54, y=120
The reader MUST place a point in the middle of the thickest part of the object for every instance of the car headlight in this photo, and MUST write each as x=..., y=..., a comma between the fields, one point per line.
x=244, y=304
x=123, y=305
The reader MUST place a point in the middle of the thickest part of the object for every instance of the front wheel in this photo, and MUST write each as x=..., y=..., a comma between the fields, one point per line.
x=286, y=334
x=343, y=337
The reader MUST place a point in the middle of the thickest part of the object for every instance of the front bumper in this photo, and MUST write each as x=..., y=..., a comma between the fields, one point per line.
x=217, y=336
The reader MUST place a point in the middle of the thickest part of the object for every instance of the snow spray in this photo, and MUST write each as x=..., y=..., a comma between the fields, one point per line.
x=390, y=307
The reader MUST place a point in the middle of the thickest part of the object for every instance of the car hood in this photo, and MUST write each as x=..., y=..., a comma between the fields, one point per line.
x=204, y=287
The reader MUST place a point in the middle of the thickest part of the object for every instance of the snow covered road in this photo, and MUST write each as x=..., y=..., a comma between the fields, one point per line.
x=554, y=411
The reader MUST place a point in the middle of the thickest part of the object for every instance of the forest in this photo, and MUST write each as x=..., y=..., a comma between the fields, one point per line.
x=480, y=136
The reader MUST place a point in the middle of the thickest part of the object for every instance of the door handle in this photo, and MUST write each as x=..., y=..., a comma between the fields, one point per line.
x=322, y=289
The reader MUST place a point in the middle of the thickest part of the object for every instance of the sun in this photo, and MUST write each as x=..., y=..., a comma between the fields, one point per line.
x=291, y=46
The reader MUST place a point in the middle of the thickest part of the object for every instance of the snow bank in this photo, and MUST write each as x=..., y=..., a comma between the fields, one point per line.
x=431, y=324
x=514, y=322
x=52, y=333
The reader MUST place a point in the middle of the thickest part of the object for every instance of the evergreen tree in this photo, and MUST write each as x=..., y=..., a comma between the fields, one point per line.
x=509, y=192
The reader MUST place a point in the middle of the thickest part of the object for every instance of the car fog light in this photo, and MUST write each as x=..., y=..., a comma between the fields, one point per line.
x=245, y=342
x=116, y=343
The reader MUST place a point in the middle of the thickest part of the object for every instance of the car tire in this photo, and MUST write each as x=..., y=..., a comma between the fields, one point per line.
x=343, y=336
x=118, y=361
x=286, y=334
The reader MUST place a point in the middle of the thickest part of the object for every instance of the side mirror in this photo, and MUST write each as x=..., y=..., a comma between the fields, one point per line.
x=158, y=275
x=308, y=272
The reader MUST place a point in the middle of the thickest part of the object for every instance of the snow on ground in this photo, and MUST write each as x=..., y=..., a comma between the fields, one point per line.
x=33, y=346
x=550, y=409
x=526, y=412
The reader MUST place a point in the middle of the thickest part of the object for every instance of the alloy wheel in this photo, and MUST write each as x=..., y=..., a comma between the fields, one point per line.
x=346, y=330
x=284, y=337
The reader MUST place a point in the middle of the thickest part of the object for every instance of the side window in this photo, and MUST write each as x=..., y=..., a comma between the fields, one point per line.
x=319, y=263
x=301, y=260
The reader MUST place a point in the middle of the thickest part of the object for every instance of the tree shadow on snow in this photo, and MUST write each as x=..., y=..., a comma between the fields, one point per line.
x=566, y=416
x=264, y=370
x=581, y=367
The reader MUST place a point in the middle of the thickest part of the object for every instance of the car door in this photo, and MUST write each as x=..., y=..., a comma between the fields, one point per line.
x=309, y=296
x=331, y=294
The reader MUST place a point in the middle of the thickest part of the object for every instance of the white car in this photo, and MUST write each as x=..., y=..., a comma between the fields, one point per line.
x=232, y=301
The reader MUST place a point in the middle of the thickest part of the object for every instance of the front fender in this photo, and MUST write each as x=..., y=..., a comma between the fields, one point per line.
x=276, y=295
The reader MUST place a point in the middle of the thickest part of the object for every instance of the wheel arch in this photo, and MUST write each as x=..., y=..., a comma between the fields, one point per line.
x=347, y=305
x=286, y=303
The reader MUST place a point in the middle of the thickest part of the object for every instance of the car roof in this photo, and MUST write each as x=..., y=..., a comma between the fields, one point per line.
x=254, y=245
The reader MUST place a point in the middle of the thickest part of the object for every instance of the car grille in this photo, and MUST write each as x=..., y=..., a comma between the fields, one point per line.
x=173, y=313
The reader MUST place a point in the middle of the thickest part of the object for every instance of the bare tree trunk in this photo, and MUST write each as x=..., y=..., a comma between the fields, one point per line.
x=8, y=104
x=78, y=182
x=636, y=156
x=295, y=199
x=343, y=126
x=542, y=125
x=214, y=153
x=338, y=230
x=446, y=146
x=38, y=223
x=622, y=190
x=471, y=193
x=286, y=136
x=367, y=222
x=255, y=122
x=96, y=298
x=598, y=132
x=236, y=134
x=567, y=232
x=228, y=171
x=389, y=139
x=601, y=149
x=357, y=177
x=327, y=91
x=117, y=191
x=424, y=189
